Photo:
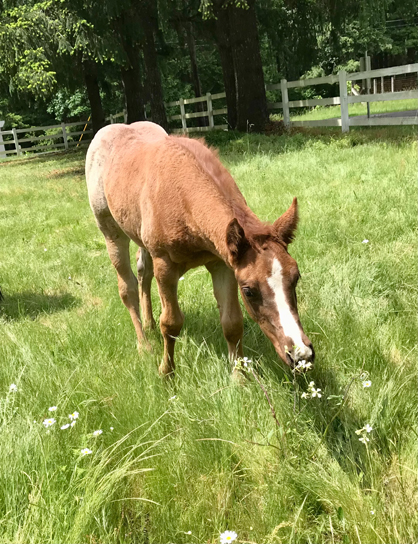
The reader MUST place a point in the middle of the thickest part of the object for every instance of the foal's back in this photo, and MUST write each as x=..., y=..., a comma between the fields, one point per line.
x=158, y=188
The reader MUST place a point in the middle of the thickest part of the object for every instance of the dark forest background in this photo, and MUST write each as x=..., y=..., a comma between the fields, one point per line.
x=63, y=60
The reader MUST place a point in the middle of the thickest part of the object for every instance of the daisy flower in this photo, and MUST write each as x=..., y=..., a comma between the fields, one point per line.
x=49, y=422
x=74, y=416
x=13, y=388
x=86, y=451
x=52, y=409
x=228, y=536
x=65, y=426
x=96, y=433
x=367, y=383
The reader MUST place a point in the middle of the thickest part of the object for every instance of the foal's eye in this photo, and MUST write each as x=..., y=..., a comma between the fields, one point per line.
x=249, y=293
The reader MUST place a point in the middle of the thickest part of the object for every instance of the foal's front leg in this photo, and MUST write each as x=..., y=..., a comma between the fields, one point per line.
x=225, y=289
x=167, y=274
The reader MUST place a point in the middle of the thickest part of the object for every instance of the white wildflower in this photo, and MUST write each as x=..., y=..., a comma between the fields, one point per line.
x=181, y=279
x=111, y=428
x=13, y=388
x=372, y=512
x=316, y=393
x=368, y=428
x=52, y=409
x=228, y=536
x=302, y=365
x=364, y=439
x=86, y=451
x=367, y=383
x=172, y=398
x=49, y=422
x=305, y=395
x=365, y=241
x=65, y=426
x=73, y=423
x=97, y=433
x=74, y=416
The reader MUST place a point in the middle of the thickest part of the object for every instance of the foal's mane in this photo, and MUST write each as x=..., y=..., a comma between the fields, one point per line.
x=207, y=158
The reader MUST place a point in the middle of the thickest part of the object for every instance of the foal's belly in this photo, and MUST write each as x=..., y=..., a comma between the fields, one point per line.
x=193, y=260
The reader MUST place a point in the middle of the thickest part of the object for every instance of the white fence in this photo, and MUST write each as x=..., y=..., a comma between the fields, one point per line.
x=64, y=136
x=60, y=137
x=345, y=121
x=55, y=137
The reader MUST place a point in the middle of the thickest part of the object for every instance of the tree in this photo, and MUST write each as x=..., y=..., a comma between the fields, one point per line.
x=237, y=34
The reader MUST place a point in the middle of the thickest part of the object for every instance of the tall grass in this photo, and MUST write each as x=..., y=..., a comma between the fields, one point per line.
x=203, y=454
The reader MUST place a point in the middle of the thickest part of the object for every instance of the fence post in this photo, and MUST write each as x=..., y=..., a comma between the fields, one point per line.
x=16, y=142
x=368, y=68
x=285, y=102
x=2, y=148
x=64, y=136
x=183, y=114
x=392, y=84
x=382, y=84
x=345, y=120
x=125, y=116
x=210, y=110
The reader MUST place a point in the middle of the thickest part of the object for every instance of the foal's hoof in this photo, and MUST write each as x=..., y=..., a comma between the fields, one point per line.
x=165, y=371
x=144, y=347
x=239, y=376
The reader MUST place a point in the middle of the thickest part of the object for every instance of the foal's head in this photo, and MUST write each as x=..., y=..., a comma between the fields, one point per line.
x=267, y=276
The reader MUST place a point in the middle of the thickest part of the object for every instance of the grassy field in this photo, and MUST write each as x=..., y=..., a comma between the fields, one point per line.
x=328, y=112
x=184, y=461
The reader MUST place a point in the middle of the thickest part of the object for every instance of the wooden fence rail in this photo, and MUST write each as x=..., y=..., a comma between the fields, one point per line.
x=63, y=136
x=345, y=121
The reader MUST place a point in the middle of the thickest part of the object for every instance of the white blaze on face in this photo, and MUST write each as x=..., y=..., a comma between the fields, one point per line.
x=290, y=327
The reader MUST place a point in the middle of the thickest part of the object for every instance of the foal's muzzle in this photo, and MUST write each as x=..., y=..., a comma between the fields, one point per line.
x=295, y=356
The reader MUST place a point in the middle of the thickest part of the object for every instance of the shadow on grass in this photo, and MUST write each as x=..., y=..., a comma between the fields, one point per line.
x=70, y=173
x=237, y=146
x=72, y=155
x=29, y=305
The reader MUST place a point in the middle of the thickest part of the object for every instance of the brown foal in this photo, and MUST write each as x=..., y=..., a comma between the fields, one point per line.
x=178, y=203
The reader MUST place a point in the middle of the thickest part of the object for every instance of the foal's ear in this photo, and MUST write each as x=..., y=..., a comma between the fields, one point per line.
x=236, y=241
x=284, y=227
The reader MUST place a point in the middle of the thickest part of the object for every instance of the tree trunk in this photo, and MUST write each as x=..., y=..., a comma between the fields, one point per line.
x=194, y=74
x=227, y=63
x=93, y=93
x=149, y=23
x=252, y=112
x=154, y=86
x=132, y=85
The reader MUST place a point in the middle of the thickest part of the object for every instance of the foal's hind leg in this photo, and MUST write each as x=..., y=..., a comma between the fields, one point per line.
x=145, y=274
x=118, y=248
x=225, y=289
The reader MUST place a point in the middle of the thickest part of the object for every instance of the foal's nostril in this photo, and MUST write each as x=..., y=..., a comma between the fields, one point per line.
x=313, y=352
x=290, y=360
